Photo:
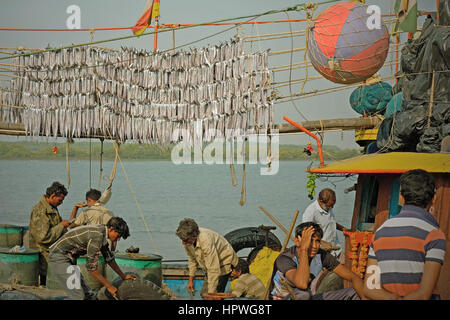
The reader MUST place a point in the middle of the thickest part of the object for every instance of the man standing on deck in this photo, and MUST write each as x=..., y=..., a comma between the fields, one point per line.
x=46, y=225
x=211, y=251
x=321, y=212
x=408, y=250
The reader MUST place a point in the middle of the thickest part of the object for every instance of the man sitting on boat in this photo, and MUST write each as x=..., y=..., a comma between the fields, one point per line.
x=247, y=285
x=321, y=212
x=211, y=251
x=297, y=266
x=89, y=240
x=96, y=213
x=408, y=250
x=46, y=225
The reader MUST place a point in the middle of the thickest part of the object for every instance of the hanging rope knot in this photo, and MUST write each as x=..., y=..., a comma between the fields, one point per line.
x=310, y=8
x=274, y=95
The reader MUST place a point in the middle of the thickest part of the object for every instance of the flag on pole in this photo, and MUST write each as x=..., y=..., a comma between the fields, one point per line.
x=151, y=10
x=406, y=11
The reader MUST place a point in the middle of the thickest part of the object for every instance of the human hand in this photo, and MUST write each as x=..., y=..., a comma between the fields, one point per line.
x=190, y=286
x=81, y=205
x=65, y=223
x=112, y=290
x=305, y=240
x=130, y=277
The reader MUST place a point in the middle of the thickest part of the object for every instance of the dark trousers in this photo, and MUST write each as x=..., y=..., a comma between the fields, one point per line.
x=221, y=285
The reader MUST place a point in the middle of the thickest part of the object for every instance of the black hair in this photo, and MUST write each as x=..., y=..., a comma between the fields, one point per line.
x=187, y=229
x=417, y=187
x=120, y=226
x=93, y=194
x=242, y=266
x=326, y=195
x=318, y=230
x=57, y=189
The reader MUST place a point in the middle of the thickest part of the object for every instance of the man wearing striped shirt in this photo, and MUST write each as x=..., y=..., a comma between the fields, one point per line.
x=89, y=240
x=408, y=250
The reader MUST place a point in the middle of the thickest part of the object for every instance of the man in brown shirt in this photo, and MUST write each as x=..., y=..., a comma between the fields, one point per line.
x=46, y=225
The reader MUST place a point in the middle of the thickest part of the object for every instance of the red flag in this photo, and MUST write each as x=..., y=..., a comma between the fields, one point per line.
x=151, y=10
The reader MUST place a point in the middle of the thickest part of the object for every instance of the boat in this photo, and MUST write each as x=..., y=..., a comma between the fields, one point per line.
x=376, y=199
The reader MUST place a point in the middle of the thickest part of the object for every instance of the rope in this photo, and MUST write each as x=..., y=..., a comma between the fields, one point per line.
x=309, y=14
x=232, y=169
x=430, y=107
x=129, y=185
x=67, y=164
x=244, y=180
x=116, y=157
x=290, y=72
x=101, y=163
x=138, y=206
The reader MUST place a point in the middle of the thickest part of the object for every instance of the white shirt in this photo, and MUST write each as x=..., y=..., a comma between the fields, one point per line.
x=326, y=220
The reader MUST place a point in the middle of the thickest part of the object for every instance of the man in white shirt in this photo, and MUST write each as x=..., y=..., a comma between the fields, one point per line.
x=96, y=213
x=321, y=212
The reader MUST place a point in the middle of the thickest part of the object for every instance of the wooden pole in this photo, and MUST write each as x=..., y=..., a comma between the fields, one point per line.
x=276, y=222
x=18, y=129
x=286, y=241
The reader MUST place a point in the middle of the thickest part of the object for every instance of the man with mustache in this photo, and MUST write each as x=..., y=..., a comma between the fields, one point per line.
x=46, y=225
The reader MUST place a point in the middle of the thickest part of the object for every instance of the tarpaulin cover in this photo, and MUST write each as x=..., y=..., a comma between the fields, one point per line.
x=371, y=99
x=394, y=105
x=420, y=126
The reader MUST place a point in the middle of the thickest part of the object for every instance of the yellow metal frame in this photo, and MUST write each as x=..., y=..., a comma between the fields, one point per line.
x=393, y=162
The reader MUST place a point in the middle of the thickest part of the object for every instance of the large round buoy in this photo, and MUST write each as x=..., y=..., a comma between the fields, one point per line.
x=347, y=43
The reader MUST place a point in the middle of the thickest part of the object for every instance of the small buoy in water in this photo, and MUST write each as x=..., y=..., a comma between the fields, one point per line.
x=55, y=149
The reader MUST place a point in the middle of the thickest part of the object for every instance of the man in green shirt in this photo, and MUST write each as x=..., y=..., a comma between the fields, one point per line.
x=46, y=225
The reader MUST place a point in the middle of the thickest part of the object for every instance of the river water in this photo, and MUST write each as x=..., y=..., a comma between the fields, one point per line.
x=162, y=193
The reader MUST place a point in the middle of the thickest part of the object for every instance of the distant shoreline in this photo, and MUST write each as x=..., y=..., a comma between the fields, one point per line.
x=142, y=152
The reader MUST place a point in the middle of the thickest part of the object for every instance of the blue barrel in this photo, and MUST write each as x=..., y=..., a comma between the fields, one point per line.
x=144, y=266
x=10, y=235
x=22, y=267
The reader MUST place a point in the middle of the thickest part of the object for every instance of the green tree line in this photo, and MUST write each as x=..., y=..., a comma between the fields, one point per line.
x=134, y=151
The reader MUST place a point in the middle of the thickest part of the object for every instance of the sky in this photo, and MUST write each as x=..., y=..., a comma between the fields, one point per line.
x=120, y=13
